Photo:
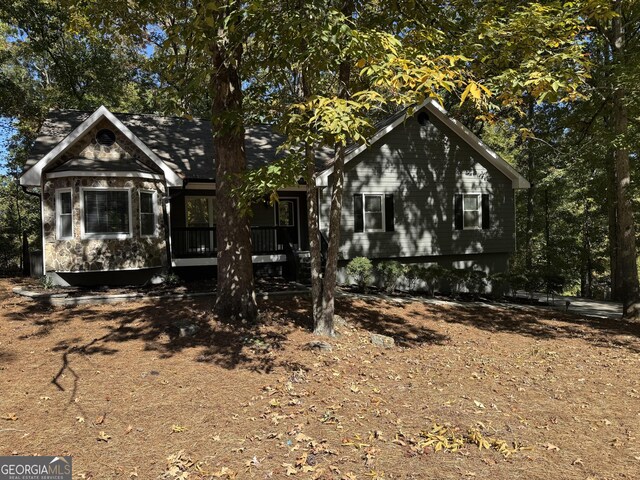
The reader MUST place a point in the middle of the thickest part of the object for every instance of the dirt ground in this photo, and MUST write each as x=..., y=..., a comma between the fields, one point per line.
x=548, y=395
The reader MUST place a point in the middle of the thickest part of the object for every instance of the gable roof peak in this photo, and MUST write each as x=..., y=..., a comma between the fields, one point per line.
x=33, y=176
x=434, y=107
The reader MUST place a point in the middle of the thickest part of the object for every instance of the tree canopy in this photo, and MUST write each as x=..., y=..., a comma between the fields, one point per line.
x=551, y=85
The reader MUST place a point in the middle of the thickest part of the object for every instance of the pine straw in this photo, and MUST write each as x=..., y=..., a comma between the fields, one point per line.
x=118, y=389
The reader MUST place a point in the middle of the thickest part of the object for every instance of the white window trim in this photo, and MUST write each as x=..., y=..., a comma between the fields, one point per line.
x=364, y=213
x=479, y=195
x=104, y=236
x=59, y=235
x=154, y=201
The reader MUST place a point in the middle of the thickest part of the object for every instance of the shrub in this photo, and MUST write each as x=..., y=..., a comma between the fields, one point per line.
x=432, y=276
x=390, y=272
x=476, y=281
x=360, y=270
x=500, y=283
x=457, y=279
x=412, y=274
x=171, y=279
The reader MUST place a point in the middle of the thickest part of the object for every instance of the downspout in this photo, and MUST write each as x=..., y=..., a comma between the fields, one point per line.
x=34, y=194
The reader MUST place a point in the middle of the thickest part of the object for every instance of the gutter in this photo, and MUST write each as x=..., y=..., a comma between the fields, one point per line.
x=25, y=189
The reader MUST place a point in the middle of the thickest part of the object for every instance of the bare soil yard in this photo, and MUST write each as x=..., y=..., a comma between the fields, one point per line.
x=550, y=395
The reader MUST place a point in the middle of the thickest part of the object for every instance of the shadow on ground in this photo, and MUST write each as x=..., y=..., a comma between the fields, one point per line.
x=544, y=324
x=170, y=328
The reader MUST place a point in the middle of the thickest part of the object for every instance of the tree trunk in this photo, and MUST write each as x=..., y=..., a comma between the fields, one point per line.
x=528, y=254
x=315, y=243
x=313, y=211
x=235, y=290
x=626, y=239
x=586, y=274
x=324, y=324
x=612, y=209
x=547, y=241
x=625, y=235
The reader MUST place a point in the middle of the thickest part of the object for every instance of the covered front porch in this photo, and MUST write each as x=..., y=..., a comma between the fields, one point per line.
x=278, y=232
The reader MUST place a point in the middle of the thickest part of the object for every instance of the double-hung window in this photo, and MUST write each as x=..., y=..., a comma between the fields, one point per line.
x=373, y=212
x=64, y=209
x=107, y=213
x=471, y=211
x=147, y=214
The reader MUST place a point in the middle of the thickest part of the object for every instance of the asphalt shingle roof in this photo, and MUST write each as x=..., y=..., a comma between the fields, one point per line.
x=184, y=145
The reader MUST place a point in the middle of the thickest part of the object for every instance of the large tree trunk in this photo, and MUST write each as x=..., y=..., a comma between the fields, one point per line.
x=626, y=239
x=235, y=289
x=324, y=323
x=313, y=212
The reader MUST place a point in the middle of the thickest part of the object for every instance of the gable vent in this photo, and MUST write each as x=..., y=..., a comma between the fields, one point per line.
x=106, y=137
x=423, y=118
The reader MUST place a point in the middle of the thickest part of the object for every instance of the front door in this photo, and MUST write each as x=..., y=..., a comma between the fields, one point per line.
x=288, y=218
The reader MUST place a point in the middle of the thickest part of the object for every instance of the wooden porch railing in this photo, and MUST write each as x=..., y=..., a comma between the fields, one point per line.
x=195, y=242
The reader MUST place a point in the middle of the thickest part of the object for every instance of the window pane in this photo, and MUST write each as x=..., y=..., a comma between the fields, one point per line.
x=65, y=225
x=471, y=202
x=372, y=203
x=197, y=212
x=65, y=202
x=471, y=219
x=146, y=202
x=373, y=221
x=106, y=211
x=285, y=214
x=147, y=226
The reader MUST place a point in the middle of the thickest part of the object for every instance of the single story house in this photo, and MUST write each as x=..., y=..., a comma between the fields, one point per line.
x=125, y=197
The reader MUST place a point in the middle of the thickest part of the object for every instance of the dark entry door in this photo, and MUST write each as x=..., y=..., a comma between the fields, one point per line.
x=287, y=217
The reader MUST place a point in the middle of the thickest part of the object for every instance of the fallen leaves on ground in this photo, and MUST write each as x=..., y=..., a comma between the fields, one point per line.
x=467, y=392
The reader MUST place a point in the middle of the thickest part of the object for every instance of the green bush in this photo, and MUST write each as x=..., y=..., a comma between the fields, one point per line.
x=432, y=276
x=509, y=282
x=390, y=272
x=171, y=279
x=360, y=270
x=476, y=281
x=412, y=274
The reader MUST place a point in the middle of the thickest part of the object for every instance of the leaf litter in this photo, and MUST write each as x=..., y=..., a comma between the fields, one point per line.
x=466, y=392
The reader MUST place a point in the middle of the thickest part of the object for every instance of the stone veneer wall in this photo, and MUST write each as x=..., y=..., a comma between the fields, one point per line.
x=90, y=255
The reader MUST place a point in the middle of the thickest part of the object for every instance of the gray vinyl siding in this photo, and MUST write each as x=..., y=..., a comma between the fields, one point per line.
x=423, y=167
